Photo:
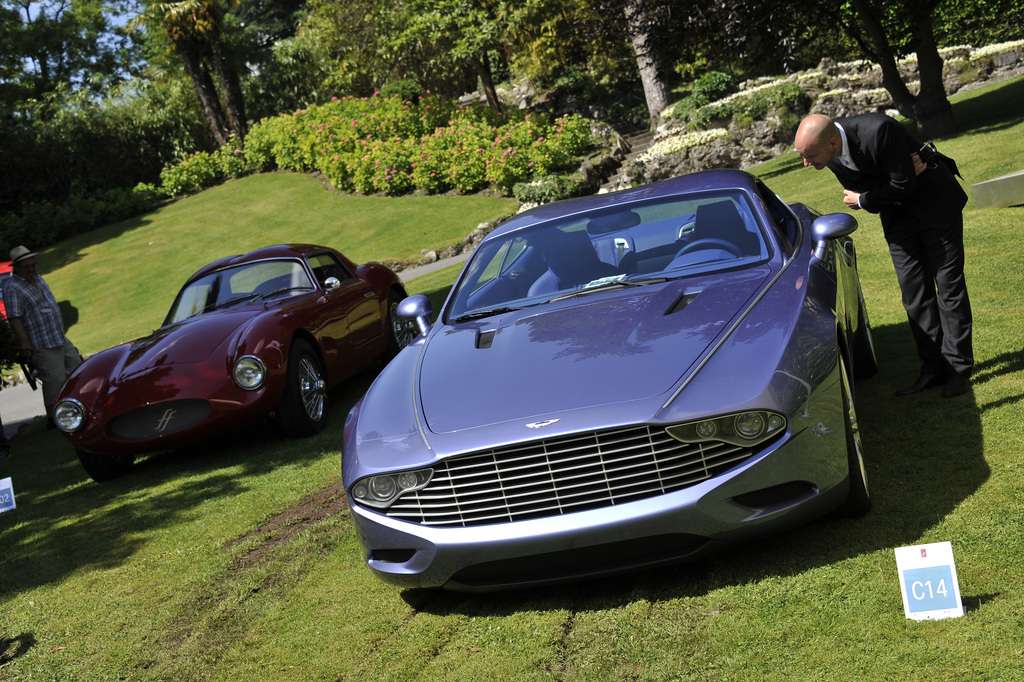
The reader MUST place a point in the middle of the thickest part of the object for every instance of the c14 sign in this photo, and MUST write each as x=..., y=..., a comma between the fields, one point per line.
x=928, y=581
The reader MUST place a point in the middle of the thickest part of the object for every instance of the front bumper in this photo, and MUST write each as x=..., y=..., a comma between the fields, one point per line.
x=797, y=479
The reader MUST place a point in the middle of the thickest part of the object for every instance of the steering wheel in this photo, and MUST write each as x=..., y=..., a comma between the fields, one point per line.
x=710, y=243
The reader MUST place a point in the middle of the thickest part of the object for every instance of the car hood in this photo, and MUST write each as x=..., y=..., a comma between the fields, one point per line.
x=599, y=349
x=188, y=342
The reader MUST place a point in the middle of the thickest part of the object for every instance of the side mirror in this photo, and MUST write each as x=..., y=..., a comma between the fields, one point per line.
x=831, y=226
x=417, y=308
x=331, y=284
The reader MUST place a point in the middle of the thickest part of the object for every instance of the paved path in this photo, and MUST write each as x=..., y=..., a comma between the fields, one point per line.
x=413, y=273
x=19, y=405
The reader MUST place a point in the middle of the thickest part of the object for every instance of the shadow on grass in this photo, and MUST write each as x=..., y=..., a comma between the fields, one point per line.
x=73, y=249
x=997, y=106
x=924, y=455
x=13, y=647
x=55, y=531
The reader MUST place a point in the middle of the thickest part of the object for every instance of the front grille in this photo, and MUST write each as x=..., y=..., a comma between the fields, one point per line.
x=161, y=419
x=563, y=475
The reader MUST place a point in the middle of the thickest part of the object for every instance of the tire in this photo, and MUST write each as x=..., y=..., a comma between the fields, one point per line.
x=401, y=331
x=303, y=409
x=865, y=360
x=858, y=500
x=104, y=467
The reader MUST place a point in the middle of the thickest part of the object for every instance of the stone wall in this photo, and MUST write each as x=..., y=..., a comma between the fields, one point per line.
x=836, y=89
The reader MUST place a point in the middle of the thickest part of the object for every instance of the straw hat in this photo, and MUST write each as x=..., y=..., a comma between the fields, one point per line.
x=20, y=253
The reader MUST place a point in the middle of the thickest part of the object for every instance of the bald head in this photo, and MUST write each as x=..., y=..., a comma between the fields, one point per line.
x=818, y=140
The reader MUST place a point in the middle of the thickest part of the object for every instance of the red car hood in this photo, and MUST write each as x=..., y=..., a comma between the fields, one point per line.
x=601, y=350
x=189, y=342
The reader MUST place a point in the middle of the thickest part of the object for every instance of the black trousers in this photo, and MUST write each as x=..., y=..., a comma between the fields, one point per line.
x=929, y=261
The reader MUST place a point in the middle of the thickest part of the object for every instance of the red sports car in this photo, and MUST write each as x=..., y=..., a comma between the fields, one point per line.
x=265, y=333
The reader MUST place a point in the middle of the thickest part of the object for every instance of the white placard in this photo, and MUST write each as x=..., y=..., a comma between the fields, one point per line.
x=928, y=581
x=6, y=494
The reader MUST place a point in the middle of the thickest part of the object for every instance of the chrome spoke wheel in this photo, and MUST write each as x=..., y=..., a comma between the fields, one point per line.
x=402, y=330
x=303, y=408
x=312, y=389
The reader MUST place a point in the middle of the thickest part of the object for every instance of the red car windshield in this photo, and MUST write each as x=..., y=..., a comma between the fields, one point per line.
x=240, y=285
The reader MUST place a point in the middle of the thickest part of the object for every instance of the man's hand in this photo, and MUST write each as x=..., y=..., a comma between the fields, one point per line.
x=851, y=199
x=25, y=355
x=919, y=165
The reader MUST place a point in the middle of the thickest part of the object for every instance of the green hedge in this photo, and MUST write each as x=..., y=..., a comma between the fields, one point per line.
x=391, y=146
x=42, y=223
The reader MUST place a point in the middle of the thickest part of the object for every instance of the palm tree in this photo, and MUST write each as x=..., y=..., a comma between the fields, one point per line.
x=195, y=31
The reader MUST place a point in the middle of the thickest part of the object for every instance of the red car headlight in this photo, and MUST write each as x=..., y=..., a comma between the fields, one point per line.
x=69, y=415
x=249, y=372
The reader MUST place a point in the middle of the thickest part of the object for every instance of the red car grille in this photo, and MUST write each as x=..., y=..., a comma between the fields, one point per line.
x=161, y=419
x=563, y=475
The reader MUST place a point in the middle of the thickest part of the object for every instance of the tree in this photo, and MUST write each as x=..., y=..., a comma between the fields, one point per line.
x=195, y=30
x=56, y=45
x=346, y=47
x=874, y=24
x=455, y=34
x=643, y=19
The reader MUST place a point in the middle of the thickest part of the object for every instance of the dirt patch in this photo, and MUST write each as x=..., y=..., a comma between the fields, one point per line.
x=279, y=529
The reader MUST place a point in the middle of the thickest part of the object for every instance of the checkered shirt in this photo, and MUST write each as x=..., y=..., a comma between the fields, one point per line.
x=38, y=310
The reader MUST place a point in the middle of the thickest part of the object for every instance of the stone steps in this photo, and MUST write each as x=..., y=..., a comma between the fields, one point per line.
x=637, y=143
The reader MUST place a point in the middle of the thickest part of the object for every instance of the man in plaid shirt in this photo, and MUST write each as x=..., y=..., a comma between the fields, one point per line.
x=35, y=318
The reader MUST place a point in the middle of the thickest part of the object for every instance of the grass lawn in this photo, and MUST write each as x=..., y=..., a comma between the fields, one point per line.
x=237, y=560
x=119, y=281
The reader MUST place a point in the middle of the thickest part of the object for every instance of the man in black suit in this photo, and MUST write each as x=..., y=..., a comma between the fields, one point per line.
x=884, y=169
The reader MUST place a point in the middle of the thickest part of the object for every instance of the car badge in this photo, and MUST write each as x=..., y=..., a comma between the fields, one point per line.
x=541, y=425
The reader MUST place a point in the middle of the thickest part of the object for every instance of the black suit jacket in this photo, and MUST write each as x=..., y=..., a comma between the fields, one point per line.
x=881, y=148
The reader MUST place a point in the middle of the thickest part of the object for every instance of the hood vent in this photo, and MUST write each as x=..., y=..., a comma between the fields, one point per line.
x=686, y=299
x=485, y=338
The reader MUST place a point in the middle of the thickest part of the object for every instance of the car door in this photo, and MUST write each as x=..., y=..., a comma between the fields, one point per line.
x=353, y=334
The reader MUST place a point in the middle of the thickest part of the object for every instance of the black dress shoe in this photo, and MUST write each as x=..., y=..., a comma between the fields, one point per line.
x=923, y=383
x=955, y=385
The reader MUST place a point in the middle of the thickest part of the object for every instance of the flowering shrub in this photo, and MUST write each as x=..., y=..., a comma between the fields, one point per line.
x=391, y=145
x=678, y=143
x=196, y=172
x=550, y=188
x=394, y=145
x=232, y=160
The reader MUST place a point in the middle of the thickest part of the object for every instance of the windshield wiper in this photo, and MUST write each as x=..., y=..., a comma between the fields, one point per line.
x=230, y=302
x=489, y=312
x=603, y=285
x=286, y=289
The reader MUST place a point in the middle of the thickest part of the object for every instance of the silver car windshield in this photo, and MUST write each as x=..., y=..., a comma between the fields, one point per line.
x=614, y=247
x=249, y=283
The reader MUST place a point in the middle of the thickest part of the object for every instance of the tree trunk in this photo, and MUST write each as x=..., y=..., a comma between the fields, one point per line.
x=641, y=20
x=483, y=71
x=207, y=93
x=932, y=110
x=231, y=88
x=882, y=54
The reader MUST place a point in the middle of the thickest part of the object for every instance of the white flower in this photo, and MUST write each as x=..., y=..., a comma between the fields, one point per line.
x=995, y=49
x=677, y=143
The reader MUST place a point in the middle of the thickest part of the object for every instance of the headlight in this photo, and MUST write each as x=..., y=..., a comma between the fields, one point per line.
x=249, y=372
x=69, y=415
x=744, y=429
x=380, y=491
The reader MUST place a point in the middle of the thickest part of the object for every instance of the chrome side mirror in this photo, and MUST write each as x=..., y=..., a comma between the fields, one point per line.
x=331, y=284
x=417, y=308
